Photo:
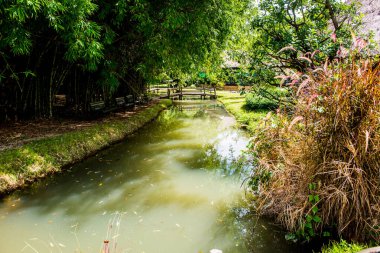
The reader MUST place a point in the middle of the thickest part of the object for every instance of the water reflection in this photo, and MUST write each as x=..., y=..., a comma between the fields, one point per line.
x=174, y=187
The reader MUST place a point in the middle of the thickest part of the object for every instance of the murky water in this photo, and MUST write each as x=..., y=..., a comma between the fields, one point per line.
x=174, y=187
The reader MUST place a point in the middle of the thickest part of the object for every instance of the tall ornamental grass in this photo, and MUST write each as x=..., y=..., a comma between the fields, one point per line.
x=318, y=167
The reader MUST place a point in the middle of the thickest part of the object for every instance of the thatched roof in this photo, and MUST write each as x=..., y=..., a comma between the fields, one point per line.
x=371, y=20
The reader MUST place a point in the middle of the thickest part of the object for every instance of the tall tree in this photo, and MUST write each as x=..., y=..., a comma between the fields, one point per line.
x=92, y=48
x=286, y=31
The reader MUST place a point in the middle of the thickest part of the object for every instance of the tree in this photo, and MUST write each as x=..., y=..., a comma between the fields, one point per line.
x=40, y=40
x=285, y=31
x=87, y=49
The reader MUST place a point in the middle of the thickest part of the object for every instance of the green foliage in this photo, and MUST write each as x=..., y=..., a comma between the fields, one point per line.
x=184, y=37
x=343, y=247
x=21, y=19
x=261, y=177
x=308, y=226
x=117, y=44
x=284, y=31
x=254, y=102
x=266, y=97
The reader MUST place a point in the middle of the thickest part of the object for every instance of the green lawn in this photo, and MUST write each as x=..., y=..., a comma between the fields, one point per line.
x=235, y=104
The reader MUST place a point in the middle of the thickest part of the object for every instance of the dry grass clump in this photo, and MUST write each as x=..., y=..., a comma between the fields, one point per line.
x=332, y=143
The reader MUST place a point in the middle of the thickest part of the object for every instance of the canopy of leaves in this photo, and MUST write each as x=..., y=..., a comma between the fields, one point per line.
x=285, y=31
x=88, y=47
x=22, y=21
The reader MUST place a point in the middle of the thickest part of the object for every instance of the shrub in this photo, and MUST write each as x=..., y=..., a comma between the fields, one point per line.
x=265, y=98
x=257, y=102
x=332, y=142
x=342, y=247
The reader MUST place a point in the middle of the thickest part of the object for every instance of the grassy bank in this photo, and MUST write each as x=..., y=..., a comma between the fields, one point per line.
x=24, y=164
x=236, y=105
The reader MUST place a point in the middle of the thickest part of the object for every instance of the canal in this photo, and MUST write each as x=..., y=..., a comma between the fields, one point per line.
x=173, y=187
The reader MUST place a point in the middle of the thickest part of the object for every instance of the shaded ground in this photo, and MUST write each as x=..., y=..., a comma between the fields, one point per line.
x=18, y=133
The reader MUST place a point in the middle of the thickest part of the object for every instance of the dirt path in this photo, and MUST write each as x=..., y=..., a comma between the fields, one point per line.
x=18, y=133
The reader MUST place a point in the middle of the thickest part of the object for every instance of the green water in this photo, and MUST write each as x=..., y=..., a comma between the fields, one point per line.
x=173, y=187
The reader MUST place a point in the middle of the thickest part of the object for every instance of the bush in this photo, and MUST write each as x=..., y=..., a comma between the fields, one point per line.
x=342, y=247
x=257, y=102
x=265, y=98
x=324, y=160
